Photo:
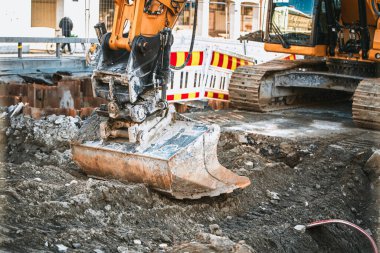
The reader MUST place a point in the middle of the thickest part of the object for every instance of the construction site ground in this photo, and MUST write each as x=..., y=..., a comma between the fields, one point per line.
x=305, y=165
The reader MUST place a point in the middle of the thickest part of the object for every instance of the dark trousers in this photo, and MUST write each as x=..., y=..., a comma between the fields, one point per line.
x=68, y=46
x=66, y=34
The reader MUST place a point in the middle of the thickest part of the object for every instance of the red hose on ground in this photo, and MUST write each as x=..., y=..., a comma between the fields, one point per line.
x=322, y=222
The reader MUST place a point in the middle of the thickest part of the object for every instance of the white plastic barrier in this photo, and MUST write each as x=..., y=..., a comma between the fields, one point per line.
x=188, y=83
x=206, y=76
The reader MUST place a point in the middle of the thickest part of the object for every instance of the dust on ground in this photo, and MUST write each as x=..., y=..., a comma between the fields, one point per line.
x=49, y=205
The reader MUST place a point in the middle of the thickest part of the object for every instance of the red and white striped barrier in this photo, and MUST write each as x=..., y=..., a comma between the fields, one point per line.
x=206, y=76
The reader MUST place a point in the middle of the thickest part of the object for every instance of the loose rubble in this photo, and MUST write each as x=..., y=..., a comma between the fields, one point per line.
x=49, y=205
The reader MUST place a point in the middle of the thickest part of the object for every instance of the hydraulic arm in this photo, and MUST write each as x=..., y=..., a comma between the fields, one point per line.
x=139, y=139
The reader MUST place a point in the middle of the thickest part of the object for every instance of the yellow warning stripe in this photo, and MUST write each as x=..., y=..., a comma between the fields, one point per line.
x=225, y=61
x=195, y=58
x=216, y=95
x=216, y=59
x=177, y=96
x=180, y=59
x=234, y=63
x=192, y=95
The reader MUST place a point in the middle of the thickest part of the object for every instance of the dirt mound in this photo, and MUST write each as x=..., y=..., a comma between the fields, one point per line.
x=30, y=139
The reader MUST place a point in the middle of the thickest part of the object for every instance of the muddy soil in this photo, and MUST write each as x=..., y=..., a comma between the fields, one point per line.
x=49, y=205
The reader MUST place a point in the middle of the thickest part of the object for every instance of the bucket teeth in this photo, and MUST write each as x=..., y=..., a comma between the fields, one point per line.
x=182, y=162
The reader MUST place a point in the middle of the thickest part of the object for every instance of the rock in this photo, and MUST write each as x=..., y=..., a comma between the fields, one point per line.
x=217, y=241
x=300, y=228
x=242, y=171
x=272, y=195
x=73, y=120
x=76, y=245
x=372, y=166
x=229, y=217
x=318, y=186
x=214, y=227
x=165, y=238
x=3, y=115
x=81, y=199
x=58, y=121
x=107, y=208
x=249, y=164
x=336, y=147
x=38, y=179
x=61, y=248
x=137, y=242
x=52, y=118
x=17, y=109
x=163, y=246
x=242, y=247
x=72, y=182
x=122, y=249
x=242, y=138
x=98, y=251
x=46, y=244
x=285, y=147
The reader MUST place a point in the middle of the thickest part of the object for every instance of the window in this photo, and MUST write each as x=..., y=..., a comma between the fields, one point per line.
x=44, y=13
x=250, y=18
x=106, y=13
x=292, y=20
x=218, y=19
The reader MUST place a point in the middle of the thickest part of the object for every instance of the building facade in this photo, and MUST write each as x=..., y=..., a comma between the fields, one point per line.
x=40, y=18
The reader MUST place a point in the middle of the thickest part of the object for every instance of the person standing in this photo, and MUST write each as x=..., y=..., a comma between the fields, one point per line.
x=66, y=24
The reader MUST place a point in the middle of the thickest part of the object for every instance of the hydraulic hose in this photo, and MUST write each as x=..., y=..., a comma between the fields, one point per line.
x=192, y=40
x=323, y=222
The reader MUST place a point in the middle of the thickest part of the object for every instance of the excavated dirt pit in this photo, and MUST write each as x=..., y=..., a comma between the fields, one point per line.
x=48, y=205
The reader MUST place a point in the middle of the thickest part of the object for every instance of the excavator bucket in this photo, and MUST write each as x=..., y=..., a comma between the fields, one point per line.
x=181, y=162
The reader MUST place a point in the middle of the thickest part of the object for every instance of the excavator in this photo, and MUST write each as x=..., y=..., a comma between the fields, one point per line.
x=340, y=40
x=138, y=138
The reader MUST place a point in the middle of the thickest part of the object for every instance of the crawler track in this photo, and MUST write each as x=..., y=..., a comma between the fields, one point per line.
x=366, y=104
x=246, y=87
x=247, y=83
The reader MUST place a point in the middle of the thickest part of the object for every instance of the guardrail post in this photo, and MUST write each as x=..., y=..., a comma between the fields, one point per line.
x=58, y=50
x=19, y=50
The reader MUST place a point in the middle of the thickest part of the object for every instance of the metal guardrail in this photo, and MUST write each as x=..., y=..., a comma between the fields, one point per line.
x=57, y=40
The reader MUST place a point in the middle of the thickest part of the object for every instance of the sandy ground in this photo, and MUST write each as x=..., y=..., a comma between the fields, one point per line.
x=305, y=165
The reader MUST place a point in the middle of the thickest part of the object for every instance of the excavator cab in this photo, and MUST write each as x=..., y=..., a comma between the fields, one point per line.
x=298, y=27
x=331, y=28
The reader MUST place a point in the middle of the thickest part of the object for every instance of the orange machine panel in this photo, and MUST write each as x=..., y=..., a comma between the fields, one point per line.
x=131, y=13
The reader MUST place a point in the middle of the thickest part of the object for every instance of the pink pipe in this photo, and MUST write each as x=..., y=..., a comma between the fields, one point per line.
x=322, y=222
